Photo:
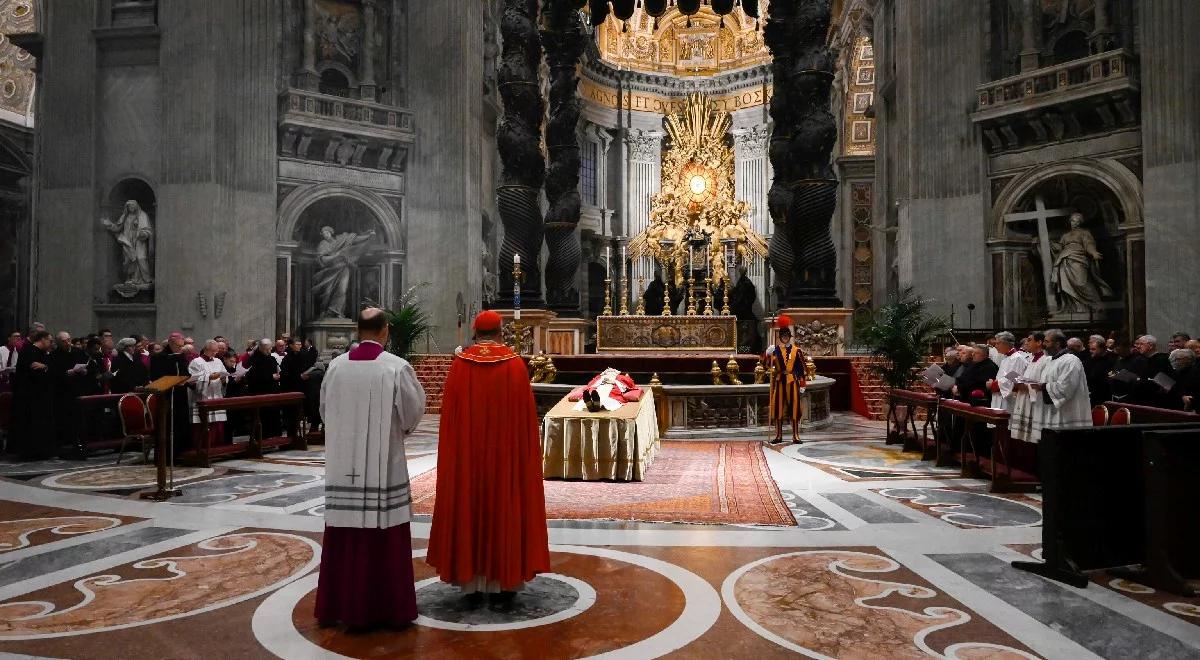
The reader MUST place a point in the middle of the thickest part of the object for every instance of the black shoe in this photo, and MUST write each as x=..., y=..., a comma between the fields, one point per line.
x=797, y=441
x=593, y=398
x=777, y=441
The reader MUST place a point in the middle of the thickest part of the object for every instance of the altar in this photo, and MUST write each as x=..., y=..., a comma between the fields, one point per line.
x=691, y=334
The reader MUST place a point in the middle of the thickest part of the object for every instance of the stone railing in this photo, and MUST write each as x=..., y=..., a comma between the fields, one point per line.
x=1097, y=73
x=299, y=104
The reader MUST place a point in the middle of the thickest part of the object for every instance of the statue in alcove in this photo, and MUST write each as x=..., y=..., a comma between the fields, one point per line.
x=1075, y=274
x=132, y=231
x=337, y=255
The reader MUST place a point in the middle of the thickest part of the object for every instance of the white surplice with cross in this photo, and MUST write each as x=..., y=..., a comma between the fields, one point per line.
x=369, y=407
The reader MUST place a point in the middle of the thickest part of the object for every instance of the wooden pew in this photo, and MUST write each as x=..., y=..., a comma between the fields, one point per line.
x=1103, y=491
x=204, y=454
x=992, y=452
x=902, y=426
x=1152, y=415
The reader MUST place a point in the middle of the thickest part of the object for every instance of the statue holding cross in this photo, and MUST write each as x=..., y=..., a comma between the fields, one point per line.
x=1070, y=264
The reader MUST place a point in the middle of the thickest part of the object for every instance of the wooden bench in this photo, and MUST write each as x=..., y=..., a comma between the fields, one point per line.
x=1151, y=415
x=1115, y=496
x=902, y=427
x=992, y=452
x=254, y=405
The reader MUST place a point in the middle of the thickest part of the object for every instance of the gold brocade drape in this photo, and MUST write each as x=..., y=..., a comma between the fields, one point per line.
x=618, y=445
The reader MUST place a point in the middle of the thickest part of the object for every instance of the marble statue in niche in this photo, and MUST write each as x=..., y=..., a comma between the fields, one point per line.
x=132, y=231
x=337, y=255
x=1075, y=275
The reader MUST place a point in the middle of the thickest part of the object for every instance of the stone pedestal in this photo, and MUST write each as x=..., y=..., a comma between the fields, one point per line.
x=535, y=329
x=819, y=331
x=567, y=336
x=330, y=336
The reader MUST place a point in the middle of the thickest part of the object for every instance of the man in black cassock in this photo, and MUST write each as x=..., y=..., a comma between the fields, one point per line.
x=172, y=362
x=128, y=370
x=33, y=400
x=68, y=372
x=1097, y=369
x=263, y=378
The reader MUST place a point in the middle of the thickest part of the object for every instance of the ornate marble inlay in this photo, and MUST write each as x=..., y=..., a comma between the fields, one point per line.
x=118, y=477
x=844, y=603
x=16, y=65
x=14, y=534
x=208, y=575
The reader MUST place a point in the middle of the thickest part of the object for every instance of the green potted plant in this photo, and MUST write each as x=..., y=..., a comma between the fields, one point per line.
x=900, y=333
x=408, y=323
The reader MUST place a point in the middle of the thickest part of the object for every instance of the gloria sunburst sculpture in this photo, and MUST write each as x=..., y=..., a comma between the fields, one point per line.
x=697, y=207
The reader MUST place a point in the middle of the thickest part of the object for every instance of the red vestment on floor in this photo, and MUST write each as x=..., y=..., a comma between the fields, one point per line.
x=489, y=518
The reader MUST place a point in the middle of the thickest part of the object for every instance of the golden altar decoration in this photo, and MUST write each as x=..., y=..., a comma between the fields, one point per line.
x=659, y=334
x=696, y=208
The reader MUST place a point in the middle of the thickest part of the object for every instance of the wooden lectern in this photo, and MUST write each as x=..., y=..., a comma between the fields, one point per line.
x=164, y=424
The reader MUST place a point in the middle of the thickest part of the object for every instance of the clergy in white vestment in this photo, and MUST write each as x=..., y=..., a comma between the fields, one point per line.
x=370, y=401
x=1026, y=403
x=1064, y=390
x=1011, y=361
x=208, y=378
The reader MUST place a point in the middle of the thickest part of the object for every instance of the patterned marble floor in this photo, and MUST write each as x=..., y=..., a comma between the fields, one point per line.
x=891, y=558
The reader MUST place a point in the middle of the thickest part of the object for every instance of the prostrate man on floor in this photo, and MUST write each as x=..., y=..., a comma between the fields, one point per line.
x=489, y=519
x=370, y=401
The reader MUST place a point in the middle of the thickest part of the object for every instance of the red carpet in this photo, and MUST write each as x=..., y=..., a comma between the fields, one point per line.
x=693, y=482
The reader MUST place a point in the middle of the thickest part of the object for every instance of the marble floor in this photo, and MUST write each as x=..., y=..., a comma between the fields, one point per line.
x=890, y=558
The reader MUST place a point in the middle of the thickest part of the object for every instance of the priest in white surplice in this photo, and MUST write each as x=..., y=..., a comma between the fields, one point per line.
x=1010, y=360
x=370, y=401
x=1057, y=392
x=208, y=378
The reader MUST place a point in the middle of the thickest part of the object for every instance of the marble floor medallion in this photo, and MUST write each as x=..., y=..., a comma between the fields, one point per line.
x=546, y=599
x=839, y=603
x=968, y=509
x=118, y=477
x=15, y=534
x=207, y=575
x=855, y=460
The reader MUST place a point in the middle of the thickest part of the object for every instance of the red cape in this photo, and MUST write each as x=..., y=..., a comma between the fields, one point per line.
x=489, y=518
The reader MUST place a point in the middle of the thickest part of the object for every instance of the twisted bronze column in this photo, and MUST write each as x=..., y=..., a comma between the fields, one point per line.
x=519, y=142
x=804, y=191
x=564, y=40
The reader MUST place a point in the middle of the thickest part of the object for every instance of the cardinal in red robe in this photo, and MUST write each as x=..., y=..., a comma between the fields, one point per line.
x=489, y=519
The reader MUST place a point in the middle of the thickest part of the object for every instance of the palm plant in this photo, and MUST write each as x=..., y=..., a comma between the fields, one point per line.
x=901, y=332
x=408, y=323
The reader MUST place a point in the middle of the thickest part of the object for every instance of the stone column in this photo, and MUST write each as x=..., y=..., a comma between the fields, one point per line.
x=307, y=77
x=366, y=56
x=1102, y=36
x=1031, y=36
x=1171, y=148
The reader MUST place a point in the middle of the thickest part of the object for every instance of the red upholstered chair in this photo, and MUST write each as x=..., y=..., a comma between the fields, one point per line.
x=1100, y=416
x=135, y=423
x=153, y=403
x=1121, y=418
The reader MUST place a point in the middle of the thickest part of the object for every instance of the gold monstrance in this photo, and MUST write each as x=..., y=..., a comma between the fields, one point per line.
x=697, y=199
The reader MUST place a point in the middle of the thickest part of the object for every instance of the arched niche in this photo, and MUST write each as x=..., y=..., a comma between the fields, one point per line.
x=112, y=270
x=375, y=274
x=1109, y=198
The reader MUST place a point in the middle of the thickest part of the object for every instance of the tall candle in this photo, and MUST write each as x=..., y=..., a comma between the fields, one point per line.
x=608, y=259
x=516, y=260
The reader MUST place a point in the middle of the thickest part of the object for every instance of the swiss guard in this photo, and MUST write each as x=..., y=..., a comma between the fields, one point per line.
x=785, y=361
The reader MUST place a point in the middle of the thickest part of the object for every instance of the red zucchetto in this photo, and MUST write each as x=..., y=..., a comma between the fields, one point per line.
x=487, y=321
